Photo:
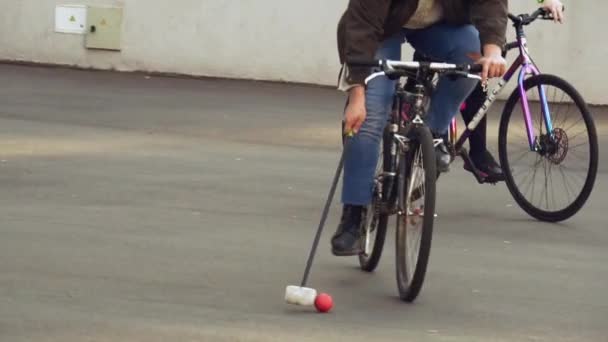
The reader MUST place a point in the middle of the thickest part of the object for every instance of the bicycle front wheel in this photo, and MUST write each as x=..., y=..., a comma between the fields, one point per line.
x=417, y=210
x=552, y=180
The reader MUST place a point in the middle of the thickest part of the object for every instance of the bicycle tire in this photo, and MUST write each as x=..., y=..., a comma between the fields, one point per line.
x=530, y=208
x=409, y=285
x=368, y=263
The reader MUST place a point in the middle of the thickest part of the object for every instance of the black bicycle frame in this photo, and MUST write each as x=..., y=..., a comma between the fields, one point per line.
x=407, y=112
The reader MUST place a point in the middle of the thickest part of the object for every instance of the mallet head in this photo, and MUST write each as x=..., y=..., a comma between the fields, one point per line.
x=298, y=295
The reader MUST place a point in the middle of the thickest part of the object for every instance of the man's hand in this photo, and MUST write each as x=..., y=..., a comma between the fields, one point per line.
x=355, y=113
x=556, y=8
x=494, y=65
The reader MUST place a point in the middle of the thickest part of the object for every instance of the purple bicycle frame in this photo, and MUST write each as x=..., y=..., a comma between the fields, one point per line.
x=527, y=68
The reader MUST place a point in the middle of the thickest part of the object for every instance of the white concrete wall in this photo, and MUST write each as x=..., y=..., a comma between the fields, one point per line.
x=269, y=39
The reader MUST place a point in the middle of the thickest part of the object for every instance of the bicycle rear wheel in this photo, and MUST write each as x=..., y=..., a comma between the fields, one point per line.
x=374, y=229
x=553, y=182
x=417, y=172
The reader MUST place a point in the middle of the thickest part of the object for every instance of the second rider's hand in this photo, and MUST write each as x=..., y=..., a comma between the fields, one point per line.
x=556, y=8
x=355, y=112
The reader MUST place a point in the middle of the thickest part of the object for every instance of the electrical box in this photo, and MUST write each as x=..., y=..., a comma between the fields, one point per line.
x=104, y=28
x=71, y=19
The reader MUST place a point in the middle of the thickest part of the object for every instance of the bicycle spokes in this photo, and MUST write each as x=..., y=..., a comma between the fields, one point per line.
x=413, y=217
x=553, y=175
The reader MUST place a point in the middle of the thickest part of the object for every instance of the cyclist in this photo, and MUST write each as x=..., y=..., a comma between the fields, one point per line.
x=450, y=30
x=481, y=157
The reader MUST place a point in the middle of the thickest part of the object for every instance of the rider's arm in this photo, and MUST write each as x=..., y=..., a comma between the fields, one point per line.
x=360, y=32
x=490, y=19
x=492, y=50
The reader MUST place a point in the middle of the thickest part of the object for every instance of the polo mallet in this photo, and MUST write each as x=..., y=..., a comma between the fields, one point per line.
x=302, y=295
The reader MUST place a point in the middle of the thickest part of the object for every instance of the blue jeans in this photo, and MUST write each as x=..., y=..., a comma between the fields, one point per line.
x=448, y=43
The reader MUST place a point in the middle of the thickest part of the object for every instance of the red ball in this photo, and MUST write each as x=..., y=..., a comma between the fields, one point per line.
x=323, y=302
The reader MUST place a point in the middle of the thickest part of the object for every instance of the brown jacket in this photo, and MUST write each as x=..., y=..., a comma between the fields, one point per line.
x=366, y=23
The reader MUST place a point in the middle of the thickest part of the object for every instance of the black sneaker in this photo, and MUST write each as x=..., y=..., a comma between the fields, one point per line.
x=345, y=241
x=442, y=154
x=487, y=165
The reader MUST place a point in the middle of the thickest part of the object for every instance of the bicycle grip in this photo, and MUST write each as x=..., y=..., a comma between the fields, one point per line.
x=475, y=68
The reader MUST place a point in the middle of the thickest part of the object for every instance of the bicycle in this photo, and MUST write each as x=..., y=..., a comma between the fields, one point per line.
x=550, y=143
x=404, y=185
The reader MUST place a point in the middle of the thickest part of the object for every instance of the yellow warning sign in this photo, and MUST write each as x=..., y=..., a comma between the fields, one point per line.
x=103, y=22
x=72, y=19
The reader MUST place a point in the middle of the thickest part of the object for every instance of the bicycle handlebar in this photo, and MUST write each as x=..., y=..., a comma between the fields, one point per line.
x=527, y=19
x=390, y=65
x=400, y=68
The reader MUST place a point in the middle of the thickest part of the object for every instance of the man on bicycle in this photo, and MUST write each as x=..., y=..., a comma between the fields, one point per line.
x=448, y=30
x=481, y=157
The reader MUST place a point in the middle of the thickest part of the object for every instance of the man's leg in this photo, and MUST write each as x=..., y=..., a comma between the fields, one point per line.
x=361, y=154
x=481, y=157
x=477, y=140
x=473, y=103
x=452, y=44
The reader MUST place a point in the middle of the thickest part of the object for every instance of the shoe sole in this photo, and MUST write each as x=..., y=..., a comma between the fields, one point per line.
x=351, y=252
x=487, y=178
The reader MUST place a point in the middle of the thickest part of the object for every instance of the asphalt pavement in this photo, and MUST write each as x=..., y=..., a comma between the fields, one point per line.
x=144, y=208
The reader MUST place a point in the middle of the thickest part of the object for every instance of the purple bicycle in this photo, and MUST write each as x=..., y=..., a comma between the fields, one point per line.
x=549, y=153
